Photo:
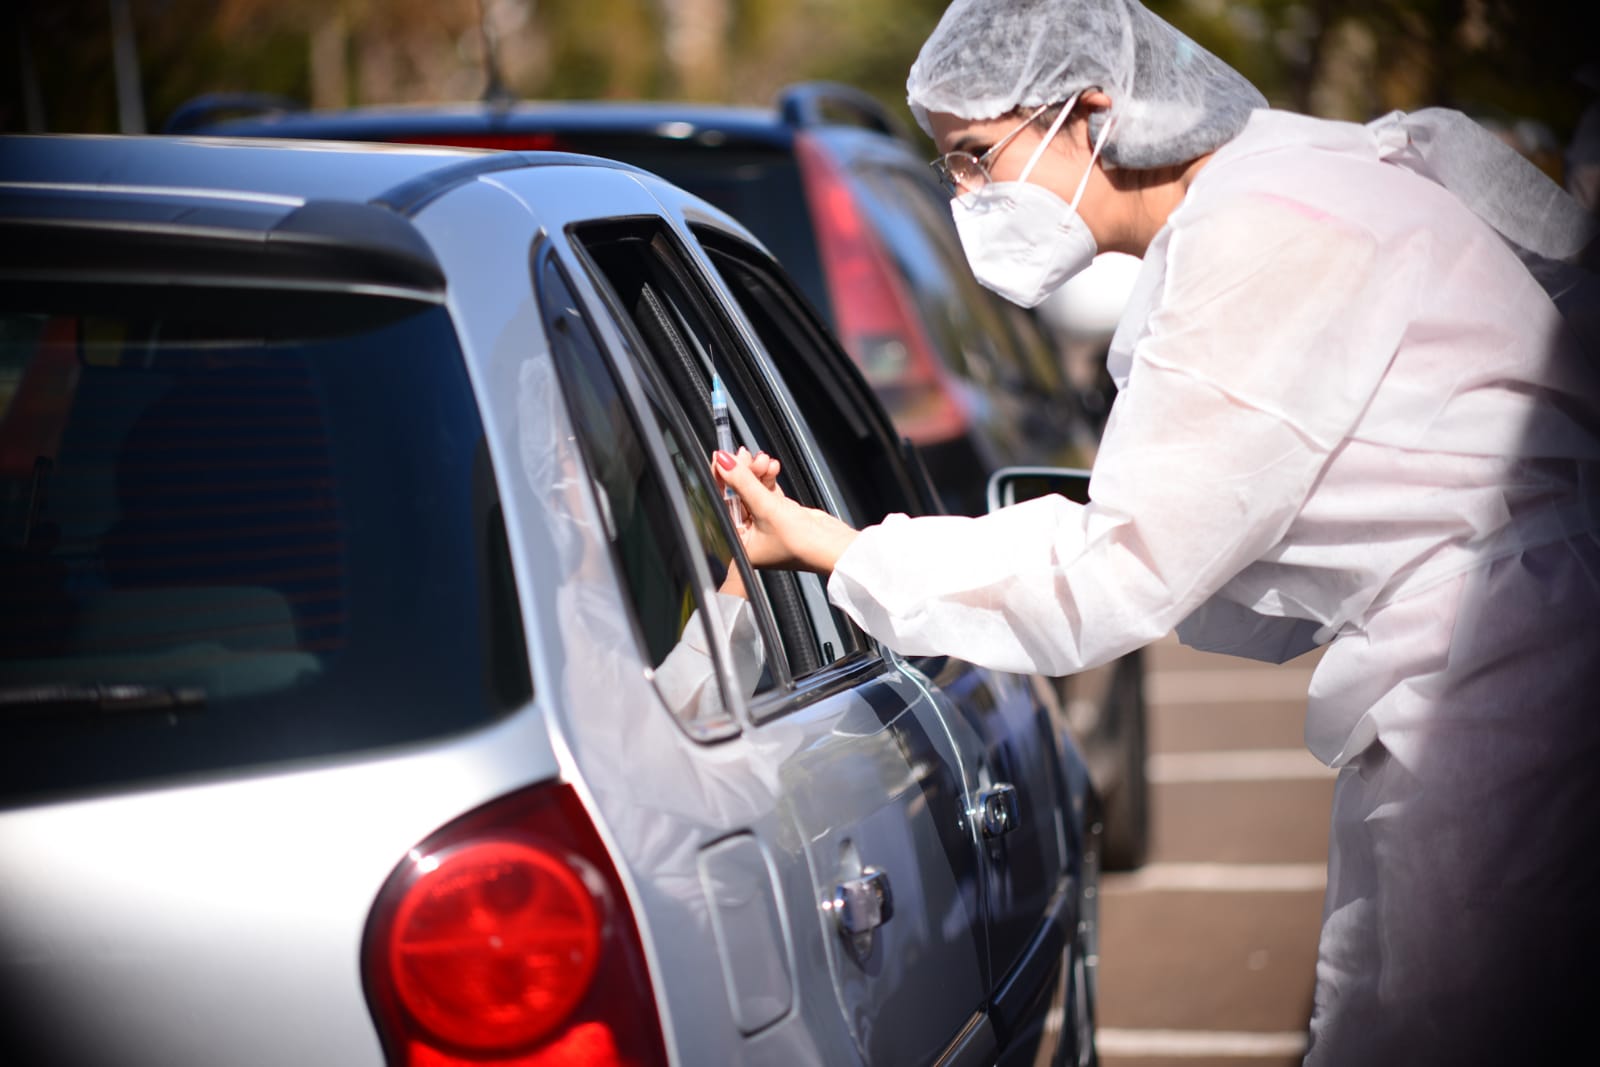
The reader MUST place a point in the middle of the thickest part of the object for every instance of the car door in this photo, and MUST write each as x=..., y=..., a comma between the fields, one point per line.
x=1014, y=784
x=850, y=814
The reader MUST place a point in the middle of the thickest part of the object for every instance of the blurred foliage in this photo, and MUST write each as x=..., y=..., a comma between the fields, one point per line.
x=1501, y=60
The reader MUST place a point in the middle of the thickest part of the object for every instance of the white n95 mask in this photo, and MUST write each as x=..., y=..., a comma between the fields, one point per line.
x=1022, y=240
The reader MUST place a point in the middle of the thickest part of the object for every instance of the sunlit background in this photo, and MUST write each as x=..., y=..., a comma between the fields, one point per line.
x=106, y=65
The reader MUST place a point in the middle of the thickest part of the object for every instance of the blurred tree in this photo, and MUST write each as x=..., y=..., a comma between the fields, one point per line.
x=599, y=48
x=183, y=49
x=696, y=47
x=1356, y=59
x=372, y=50
x=1502, y=60
x=866, y=44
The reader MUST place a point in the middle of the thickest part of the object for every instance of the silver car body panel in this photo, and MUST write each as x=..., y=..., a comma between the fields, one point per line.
x=221, y=922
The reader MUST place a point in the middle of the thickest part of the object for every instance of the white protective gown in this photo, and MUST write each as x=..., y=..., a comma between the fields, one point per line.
x=1347, y=413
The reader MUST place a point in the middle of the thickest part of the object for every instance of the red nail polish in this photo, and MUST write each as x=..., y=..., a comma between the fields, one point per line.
x=725, y=461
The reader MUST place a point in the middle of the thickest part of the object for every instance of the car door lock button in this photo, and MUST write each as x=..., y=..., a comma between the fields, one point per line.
x=861, y=905
x=998, y=813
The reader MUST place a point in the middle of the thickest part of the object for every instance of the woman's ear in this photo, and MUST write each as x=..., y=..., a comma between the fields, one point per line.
x=1095, y=108
x=1095, y=99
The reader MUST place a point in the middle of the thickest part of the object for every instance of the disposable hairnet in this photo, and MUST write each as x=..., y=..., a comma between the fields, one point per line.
x=1171, y=99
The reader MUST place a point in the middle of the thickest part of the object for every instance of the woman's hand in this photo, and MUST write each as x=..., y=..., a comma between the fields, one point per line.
x=779, y=532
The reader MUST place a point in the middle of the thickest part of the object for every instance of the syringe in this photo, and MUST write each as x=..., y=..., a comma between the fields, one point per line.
x=724, y=425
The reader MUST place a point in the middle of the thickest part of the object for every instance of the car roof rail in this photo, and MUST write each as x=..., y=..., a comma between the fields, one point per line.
x=824, y=103
x=201, y=110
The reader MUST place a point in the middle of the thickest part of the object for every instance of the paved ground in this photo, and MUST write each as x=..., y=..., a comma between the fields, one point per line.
x=1207, y=952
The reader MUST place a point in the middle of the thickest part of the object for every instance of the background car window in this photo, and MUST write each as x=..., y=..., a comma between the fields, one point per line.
x=641, y=521
x=200, y=533
x=759, y=186
x=684, y=340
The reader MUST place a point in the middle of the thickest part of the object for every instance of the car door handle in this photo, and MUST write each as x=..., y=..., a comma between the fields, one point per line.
x=860, y=905
x=998, y=812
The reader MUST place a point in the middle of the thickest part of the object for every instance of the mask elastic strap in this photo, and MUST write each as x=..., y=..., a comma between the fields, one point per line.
x=1099, y=143
x=1055, y=127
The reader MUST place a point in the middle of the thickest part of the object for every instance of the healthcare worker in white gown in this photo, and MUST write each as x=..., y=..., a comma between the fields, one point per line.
x=1359, y=407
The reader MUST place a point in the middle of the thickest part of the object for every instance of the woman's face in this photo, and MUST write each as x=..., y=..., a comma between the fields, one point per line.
x=1123, y=209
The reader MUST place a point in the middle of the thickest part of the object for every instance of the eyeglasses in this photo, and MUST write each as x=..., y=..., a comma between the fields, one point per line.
x=963, y=172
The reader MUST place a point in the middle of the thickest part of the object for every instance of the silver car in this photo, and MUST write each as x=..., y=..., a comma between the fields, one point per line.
x=381, y=680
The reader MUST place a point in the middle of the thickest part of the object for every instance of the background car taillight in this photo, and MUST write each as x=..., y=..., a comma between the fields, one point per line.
x=506, y=938
x=504, y=142
x=876, y=320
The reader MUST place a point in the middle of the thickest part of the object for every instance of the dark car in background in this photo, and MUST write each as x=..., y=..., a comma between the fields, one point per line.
x=843, y=197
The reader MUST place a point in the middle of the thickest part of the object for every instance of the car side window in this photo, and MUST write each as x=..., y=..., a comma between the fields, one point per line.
x=859, y=445
x=641, y=524
x=681, y=340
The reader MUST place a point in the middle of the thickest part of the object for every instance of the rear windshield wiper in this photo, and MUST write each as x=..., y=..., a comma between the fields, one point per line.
x=23, y=701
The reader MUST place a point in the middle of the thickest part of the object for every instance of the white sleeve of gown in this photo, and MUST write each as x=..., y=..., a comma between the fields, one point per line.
x=1272, y=329
x=687, y=678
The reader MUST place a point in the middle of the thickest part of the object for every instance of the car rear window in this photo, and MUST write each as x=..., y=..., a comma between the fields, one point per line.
x=226, y=545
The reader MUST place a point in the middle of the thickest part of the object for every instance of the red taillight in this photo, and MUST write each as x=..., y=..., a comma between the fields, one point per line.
x=496, y=945
x=505, y=142
x=877, y=321
x=506, y=939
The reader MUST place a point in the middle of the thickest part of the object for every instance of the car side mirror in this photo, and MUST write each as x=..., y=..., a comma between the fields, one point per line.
x=1013, y=485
